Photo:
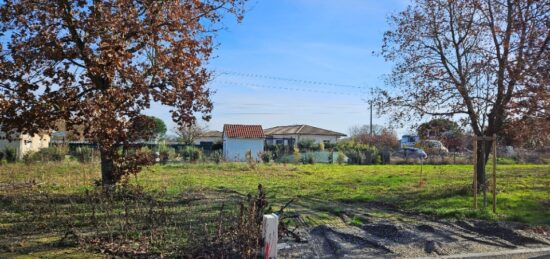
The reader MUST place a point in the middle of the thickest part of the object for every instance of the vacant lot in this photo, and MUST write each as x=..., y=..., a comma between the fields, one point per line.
x=41, y=205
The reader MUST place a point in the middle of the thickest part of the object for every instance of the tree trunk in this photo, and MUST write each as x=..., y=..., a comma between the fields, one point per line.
x=107, y=169
x=483, y=152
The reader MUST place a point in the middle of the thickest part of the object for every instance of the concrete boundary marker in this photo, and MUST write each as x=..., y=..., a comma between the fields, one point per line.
x=270, y=235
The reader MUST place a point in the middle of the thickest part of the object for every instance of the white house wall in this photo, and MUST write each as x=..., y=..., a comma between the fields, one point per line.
x=317, y=138
x=26, y=144
x=235, y=149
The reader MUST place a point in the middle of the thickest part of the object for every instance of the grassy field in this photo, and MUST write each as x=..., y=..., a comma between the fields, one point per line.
x=444, y=190
x=321, y=192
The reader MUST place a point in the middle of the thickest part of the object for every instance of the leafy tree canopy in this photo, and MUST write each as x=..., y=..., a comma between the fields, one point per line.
x=99, y=64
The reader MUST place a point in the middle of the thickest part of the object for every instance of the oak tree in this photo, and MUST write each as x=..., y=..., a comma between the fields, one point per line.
x=481, y=61
x=98, y=64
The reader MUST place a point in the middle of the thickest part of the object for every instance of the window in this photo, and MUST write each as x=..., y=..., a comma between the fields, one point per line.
x=280, y=141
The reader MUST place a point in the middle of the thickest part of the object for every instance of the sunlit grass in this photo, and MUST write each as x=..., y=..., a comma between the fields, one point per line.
x=321, y=192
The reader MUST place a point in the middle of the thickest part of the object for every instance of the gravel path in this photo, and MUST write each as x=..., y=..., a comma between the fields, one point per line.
x=407, y=235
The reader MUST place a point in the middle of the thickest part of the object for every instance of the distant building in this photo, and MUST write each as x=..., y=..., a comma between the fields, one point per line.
x=290, y=135
x=409, y=140
x=25, y=143
x=209, y=138
x=239, y=139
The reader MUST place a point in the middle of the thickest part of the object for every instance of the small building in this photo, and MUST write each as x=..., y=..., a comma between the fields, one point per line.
x=209, y=138
x=293, y=134
x=409, y=140
x=25, y=143
x=239, y=139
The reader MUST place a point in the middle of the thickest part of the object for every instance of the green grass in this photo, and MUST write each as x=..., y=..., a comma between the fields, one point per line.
x=322, y=192
x=523, y=190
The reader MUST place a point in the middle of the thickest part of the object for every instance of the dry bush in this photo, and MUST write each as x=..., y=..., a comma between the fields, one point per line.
x=131, y=223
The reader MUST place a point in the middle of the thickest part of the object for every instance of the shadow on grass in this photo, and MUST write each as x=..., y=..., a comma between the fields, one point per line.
x=129, y=223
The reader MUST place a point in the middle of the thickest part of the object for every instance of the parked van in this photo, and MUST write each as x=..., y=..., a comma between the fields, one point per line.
x=433, y=147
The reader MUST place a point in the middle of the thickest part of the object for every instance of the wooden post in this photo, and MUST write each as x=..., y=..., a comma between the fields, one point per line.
x=484, y=183
x=270, y=235
x=421, y=173
x=474, y=158
x=494, y=173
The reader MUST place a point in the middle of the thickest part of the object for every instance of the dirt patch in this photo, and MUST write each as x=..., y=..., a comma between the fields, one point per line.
x=407, y=235
x=16, y=185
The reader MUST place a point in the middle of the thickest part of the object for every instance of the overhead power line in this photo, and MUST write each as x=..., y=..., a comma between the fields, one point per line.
x=300, y=81
x=247, y=84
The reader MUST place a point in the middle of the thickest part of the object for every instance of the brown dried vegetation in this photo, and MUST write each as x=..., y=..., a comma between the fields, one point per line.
x=98, y=64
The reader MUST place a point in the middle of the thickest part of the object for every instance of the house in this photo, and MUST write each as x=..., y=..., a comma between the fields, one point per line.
x=292, y=134
x=239, y=139
x=209, y=138
x=409, y=140
x=25, y=143
x=62, y=135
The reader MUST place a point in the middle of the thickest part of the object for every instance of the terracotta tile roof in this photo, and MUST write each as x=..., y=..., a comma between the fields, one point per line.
x=243, y=131
x=301, y=130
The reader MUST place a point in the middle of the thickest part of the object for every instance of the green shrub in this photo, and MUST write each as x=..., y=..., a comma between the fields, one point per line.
x=216, y=156
x=308, y=158
x=329, y=146
x=355, y=221
x=172, y=154
x=250, y=159
x=10, y=154
x=384, y=156
x=360, y=153
x=49, y=154
x=145, y=150
x=340, y=159
x=166, y=153
x=506, y=161
x=29, y=158
x=83, y=154
x=284, y=160
x=266, y=156
x=191, y=153
x=308, y=145
x=164, y=157
x=296, y=154
x=277, y=151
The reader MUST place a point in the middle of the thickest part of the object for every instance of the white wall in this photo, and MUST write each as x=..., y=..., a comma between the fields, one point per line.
x=26, y=144
x=234, y=149
x=317, y=138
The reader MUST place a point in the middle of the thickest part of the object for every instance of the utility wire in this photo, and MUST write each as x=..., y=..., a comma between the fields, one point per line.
x=247, y=84
x=300, y=81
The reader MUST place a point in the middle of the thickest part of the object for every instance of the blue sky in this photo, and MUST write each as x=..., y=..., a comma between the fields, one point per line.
x=299, y=62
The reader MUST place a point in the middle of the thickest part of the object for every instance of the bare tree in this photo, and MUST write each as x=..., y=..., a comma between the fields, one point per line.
x=98, y=64
x=481, y=60
x=382, y=138
x=188, y=132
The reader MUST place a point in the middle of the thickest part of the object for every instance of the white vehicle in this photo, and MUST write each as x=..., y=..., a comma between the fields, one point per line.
x=433, y=147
